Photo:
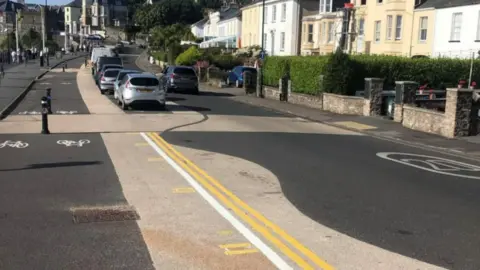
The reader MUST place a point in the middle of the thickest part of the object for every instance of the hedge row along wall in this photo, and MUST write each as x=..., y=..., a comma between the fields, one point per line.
x=305, y=71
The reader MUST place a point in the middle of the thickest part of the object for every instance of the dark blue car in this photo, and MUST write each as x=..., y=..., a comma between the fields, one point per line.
x=236, y=75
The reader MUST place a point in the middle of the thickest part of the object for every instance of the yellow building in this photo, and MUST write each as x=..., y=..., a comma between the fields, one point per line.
x=251, y=25
x=392, y=27
x=320, y=33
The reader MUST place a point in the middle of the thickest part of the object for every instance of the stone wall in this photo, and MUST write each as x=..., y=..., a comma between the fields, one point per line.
x=315, y=102
x=425, y=120
x=343, y=104
x=271, y=92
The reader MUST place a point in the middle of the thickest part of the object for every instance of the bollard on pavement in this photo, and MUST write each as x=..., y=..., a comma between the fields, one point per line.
x=63, y=67
x=44, y=103
x=48, y=94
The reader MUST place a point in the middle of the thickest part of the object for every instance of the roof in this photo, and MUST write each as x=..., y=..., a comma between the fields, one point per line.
x=7, y=5
x=201, y=22
x=251, y=4
x=447, y=3
x=229, y=14
x=78, y=3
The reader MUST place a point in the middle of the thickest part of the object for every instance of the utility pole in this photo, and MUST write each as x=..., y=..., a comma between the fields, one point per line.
x=43, y=10
x=17, y=19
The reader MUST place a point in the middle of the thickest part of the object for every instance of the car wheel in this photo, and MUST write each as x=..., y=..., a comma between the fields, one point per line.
x=162, y=107
x=237, y=84
x=124, y=106
x=102, y=92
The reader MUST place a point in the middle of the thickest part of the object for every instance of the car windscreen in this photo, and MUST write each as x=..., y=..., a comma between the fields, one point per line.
x=122, y=75
x=110, y=60
x=105, y=67
x=144, y=81
x=184, y=71
x=111, y=73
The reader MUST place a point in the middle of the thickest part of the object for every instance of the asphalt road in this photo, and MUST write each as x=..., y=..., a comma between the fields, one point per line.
x=41, y=184
x=66, y=98
x=340, y=182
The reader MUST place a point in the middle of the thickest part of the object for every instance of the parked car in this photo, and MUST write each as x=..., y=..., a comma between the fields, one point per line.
x=105, y=83
x=108, y=60
x=99, y=74
x=236, y=75
x=179, y=79
x=140, y=88
x=121, y=75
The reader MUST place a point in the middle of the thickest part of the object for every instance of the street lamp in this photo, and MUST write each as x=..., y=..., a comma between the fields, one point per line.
x=262, y=54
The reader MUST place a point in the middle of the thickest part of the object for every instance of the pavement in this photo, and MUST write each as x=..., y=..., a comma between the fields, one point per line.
x=222, y=184
x=18, y=77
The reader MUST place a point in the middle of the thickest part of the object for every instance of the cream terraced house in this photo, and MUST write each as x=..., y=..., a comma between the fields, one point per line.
x=251, y=26
x=388, y=27
x=321, y=31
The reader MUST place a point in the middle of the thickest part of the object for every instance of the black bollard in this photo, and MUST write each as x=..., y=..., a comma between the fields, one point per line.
x=48, y=61
x=41, y=61
x=49, y=99
x=45, y=116
x=63, y=68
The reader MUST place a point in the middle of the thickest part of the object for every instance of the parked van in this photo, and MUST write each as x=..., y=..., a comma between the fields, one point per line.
x=97, y=53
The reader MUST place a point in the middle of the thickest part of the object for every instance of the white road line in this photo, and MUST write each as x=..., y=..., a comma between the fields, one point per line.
x=266, y=250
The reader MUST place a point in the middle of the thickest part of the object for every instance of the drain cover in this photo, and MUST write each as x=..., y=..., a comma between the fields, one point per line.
x=104, y=213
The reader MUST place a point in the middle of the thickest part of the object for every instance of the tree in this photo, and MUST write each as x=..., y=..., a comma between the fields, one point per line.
x=168, y=38
x=31, y=39
x=8, y=42
x=167, y=12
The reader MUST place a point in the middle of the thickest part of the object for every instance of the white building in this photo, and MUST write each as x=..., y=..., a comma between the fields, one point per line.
x=282, y=25
x=457, y=28
x=198, y=28
x=223, y=28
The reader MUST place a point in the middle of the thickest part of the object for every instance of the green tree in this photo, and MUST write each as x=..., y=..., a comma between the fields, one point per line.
x=189, y=57
x=31, y=39
x=167, y=12
x=8, y=42
x=167, y=39
x=338, y=73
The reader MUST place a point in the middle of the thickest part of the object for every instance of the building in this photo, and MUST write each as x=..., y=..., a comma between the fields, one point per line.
x=322, y=31
x=73, y=14
x=454, y=28
x=197, y=28
x=8, y=9
x=105, y=13
x=223, y=28
x=251, y=27
x=384, y=27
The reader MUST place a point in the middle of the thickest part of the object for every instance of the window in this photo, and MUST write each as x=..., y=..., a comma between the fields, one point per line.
x=266, y=15
x=282, y=41
x=330, y=32
x=361, y=27
x=274, y=13
x=144, y=81
x=310, y=33
x=423, y=26
x=363, y=2
x=478, y=27
x=398, y=28
x=325, y=5
x=379, y=1
x=185, y=71
x=456, y=26
x=389, y=27
x=284, y=12
x=378, y=25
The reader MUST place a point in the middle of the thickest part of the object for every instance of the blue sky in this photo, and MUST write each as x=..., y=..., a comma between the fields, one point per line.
x=50, y=2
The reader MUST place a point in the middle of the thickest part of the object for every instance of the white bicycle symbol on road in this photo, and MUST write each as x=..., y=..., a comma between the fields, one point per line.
x=14, y=144
x=68, y=143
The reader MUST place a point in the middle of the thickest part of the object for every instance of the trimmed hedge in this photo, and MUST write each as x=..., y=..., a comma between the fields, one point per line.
x=305, y=71
x=226, y=61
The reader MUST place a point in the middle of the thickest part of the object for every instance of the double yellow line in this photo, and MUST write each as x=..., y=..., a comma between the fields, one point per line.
x=261, y=224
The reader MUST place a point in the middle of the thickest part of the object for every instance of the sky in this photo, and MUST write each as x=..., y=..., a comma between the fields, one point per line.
x=49, y=2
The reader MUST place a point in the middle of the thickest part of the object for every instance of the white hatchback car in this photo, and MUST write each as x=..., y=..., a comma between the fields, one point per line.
x=138, y=89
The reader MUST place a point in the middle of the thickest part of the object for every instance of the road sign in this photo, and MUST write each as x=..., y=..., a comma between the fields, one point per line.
x=434, y=164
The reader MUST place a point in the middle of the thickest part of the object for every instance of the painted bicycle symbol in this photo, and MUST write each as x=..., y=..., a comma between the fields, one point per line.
x=66, y=112
x=14, y=144
x=29, y=113
x=69, y=143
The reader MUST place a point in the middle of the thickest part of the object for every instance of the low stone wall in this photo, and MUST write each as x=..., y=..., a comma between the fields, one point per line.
x=343, y=104
x=425, y=120
x=315, y=102
x=271, y=92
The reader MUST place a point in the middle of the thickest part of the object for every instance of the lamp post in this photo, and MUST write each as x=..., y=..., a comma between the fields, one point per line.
x=262, y=55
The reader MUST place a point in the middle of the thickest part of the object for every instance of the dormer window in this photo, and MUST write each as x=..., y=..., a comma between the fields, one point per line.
x=325, y=5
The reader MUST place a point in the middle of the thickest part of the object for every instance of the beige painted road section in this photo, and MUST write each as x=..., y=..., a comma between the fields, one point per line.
x=184, y=231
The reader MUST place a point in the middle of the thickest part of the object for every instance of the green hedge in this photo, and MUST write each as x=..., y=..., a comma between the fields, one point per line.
x=226, y=61
x=305, y=71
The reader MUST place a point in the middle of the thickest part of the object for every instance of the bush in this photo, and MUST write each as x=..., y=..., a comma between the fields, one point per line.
x=274, y=68
x=305, y=74
x=188, y=57
x=305, y=70
x=337, y=73
x=160, y=56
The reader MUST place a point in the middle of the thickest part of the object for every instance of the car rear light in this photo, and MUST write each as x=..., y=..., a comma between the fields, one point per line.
x=103, y=79
x=127, y=84
x=173, y=75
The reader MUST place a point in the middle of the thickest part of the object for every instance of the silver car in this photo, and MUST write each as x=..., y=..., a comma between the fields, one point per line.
x=121, y=75
x=108, y=79
x=140, y=88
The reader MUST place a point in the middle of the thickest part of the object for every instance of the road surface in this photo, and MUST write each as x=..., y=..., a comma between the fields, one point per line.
x=212, y=183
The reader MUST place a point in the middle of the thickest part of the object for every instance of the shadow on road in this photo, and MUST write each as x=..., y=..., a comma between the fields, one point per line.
x=55, y=165
x=338, y=181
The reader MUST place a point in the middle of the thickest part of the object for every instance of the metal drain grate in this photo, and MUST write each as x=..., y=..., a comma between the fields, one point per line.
x=104, y=213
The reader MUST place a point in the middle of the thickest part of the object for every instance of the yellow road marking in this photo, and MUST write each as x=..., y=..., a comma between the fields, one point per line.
x=183, y=190
x=153, y=159
x=238, y=249
x=194, y=171
x=354, y=125
x=141, y=144
x=225, y=232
